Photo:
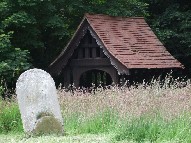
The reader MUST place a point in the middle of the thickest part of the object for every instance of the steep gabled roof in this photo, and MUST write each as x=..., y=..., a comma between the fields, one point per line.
x=129, y=40
x=132, y=42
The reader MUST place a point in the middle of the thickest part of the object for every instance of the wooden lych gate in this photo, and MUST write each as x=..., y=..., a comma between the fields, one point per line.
x=106, y=50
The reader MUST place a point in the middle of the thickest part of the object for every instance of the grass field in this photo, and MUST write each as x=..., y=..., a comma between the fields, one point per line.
x=137, y=114
x=86, y=138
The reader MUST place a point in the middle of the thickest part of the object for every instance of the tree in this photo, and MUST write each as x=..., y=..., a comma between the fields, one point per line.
x=38, y=26
x=171, y=21
x=75, y=10
x=13, y=61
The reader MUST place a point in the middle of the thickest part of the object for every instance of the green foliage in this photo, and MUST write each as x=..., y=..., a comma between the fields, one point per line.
x=19, y=19
x=2, y=88
x=38, y=27
x=12, y=60
x=171, y=21
x=10, y=118
x=74, y=10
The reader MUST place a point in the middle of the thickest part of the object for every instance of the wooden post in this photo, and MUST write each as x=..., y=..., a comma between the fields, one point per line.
x=101, y=53
x=87, y=53
x=80, y=53
x=93, y=52
x=75, y=77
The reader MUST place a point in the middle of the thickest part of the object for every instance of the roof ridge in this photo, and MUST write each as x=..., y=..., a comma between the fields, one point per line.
x=105, y=15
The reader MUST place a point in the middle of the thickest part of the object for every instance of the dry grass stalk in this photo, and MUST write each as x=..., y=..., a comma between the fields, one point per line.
x=133, y=101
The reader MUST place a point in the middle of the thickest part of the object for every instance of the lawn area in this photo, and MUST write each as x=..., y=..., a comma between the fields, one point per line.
x=85, y=138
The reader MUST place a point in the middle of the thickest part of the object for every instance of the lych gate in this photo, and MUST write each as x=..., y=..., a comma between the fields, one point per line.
x=107, y=49
x=89, y=65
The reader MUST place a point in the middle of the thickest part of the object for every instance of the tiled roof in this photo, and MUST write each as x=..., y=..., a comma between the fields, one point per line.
x=132, y=42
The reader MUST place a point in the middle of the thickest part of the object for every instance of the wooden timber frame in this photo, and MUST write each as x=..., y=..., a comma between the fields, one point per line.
x=85, y=54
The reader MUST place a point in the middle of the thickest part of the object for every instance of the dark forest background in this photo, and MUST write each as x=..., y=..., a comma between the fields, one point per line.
x=33, y=32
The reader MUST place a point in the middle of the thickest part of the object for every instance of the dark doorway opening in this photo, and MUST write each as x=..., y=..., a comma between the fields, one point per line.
x=95, y=78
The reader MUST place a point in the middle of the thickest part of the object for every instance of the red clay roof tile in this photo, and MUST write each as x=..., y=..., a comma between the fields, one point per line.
x=132, y=42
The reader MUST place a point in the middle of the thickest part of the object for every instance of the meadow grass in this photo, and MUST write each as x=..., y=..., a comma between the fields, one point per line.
x=10, y=118
x=156, y=129
x=120, y=114
x=103, y=122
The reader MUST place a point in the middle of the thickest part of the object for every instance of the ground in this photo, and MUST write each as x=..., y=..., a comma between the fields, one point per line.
x=85, y=138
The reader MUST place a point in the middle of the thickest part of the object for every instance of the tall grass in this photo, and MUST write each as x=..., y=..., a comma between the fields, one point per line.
x=103, y=122
x=156, y=129
x=10, y=118
x=138, y=113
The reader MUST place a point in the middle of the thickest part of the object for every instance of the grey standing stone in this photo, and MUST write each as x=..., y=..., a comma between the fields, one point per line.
x=38, y=103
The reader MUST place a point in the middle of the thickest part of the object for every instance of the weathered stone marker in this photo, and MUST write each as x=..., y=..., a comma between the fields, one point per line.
x=38, y=103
